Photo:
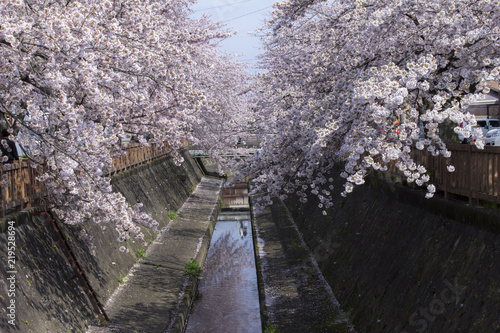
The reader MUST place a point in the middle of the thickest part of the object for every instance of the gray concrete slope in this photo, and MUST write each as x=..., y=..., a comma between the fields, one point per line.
x=156, y=294
x=296, y=295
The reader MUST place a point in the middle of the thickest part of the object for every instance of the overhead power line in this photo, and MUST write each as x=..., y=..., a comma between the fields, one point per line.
x=229, y=4
x=235, y=18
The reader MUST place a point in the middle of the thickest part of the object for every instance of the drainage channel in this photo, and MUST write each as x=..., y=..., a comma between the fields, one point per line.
x=228, y=295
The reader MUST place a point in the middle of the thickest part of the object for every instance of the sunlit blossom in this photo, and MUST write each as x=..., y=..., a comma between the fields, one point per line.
x=387, y=90
x=82, y=75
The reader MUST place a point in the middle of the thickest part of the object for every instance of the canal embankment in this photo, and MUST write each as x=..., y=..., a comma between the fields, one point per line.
x=156, y=294
x=47, y=296
x=395, y=262
x=295, y=297
x=398, y=262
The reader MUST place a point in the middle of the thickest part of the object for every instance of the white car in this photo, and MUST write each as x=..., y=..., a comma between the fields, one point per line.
x=492, y=138
x=485, y=124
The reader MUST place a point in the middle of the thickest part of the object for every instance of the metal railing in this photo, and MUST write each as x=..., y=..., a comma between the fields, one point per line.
x=25, y=190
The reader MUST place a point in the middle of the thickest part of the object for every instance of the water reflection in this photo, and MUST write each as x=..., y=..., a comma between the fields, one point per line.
x=228, y=287
x=242, y=229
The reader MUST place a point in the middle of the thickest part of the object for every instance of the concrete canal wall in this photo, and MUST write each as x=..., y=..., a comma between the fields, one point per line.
x=398, y=262
x=156, y=294
x=46, y=299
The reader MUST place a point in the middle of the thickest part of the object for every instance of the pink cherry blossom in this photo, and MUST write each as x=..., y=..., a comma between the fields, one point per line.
x=78, y=76
x=338, y=76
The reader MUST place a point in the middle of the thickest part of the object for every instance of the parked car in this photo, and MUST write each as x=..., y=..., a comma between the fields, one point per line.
x=492, y=138
x=488, y=124
x=485, y=124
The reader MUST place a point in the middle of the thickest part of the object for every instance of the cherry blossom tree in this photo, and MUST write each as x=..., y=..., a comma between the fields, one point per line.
x=78, y=75
x=340, y=74
x=226, y=115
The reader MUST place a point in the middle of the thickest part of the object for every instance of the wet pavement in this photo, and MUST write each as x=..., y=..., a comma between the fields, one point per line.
x=228, y=293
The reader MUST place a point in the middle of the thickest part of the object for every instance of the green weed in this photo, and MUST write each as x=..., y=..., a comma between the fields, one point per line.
x=270, y=329
x=172, y=216
x=192, y=269
x=141, y=253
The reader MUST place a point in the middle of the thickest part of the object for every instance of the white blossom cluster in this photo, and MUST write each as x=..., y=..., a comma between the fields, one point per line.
x=341, y=73
x=77, y=76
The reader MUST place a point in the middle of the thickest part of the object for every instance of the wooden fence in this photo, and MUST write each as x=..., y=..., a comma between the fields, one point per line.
x=137, y=155
x=24, y=190
x=475, y=176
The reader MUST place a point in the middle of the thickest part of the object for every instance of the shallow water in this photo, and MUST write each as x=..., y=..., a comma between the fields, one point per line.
x=228, y=286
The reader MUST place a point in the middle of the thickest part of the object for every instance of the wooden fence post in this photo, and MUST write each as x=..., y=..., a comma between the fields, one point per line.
x=446, y=174
x=3, y=198
x=469, y=174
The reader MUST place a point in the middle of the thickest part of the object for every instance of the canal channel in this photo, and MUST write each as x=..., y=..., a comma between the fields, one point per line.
x=228, y=296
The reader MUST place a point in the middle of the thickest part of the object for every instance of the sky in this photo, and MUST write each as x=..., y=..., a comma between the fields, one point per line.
x=240, y=15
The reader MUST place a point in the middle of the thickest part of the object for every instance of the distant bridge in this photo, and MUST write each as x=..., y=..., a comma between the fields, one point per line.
x=245, y=152
x=200, y=155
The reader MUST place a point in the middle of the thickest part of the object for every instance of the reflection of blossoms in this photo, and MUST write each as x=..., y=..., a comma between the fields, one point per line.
x=227, y=259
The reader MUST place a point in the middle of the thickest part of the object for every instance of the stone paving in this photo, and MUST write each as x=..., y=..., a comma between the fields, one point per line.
x=156, y=295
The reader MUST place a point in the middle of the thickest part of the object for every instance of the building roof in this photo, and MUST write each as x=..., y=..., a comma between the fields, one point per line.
x=491, y=98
